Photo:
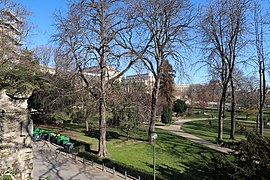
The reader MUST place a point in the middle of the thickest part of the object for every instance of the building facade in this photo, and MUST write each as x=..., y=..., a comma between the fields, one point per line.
x=10, y=35
x=94, y=71
x=148, y=80
x=47, y=69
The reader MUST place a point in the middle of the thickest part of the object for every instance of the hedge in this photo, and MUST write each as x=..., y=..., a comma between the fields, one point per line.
x=119, y=166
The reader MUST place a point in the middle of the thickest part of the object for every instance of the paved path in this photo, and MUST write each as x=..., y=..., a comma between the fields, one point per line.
x=60, y=167
x=176, y=128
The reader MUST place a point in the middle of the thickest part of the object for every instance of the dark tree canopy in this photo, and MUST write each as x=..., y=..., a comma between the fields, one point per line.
x=16, y=78
x=129, y=96
x=166, y=116
x=128, y=120
x=179, y=106
x=251, y=160
x=166, y=92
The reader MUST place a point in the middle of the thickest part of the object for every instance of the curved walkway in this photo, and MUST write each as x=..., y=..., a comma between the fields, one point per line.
x=176, y=129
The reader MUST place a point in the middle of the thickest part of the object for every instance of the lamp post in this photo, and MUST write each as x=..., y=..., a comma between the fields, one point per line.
x=154, y=137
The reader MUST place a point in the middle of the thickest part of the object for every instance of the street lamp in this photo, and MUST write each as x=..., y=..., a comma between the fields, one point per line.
x=154, y=137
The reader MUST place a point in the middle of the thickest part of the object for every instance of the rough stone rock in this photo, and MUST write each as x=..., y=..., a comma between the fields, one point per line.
x=15, y=138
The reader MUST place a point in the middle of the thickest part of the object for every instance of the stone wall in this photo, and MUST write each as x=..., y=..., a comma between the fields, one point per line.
x=15, y=138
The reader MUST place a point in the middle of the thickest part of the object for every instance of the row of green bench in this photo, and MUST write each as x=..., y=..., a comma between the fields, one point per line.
x=64, y=141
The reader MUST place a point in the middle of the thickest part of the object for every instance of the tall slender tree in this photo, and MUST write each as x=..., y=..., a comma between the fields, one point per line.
x=90, y=34
x=222, y=27
x=259, y=31
x=167, y=84
x=164, y=24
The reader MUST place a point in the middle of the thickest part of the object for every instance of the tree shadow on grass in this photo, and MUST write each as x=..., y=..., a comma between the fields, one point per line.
x=112, y=135
x=195, y=170
x=170, y=140
x=193, y=158
x=160, y=125
x=109, y=134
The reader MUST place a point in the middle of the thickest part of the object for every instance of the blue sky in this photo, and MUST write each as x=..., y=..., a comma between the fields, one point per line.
x=42, y=17
x=42, y=20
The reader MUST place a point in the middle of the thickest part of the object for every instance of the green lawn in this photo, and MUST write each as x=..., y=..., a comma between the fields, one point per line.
x=204, y=130
x=177, y=158
x=239, y=114
x=175, y=155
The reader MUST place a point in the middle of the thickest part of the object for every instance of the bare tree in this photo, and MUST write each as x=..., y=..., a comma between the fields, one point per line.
x=89, y=35
x=201, y=95
x=164, y=25
x=246, y=93
x=45, y=54
x=259, y=26
x=222, y=27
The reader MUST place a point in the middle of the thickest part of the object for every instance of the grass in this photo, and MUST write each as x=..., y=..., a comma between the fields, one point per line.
x=239, y=114
x=204, y=130
x=78, y=127
x=176, y=157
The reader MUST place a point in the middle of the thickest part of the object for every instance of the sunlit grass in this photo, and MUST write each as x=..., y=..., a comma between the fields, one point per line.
x=204, y=130
x=176, y=157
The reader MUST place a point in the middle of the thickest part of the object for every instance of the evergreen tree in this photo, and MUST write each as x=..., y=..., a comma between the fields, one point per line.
x=179, y=107
x=166, y=116
x=16, y=77
x=166, y=92
x=128, y=120
x=167, y=84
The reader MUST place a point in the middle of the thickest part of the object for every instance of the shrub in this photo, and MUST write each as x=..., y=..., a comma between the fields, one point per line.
x=128, y=121
x=81, y=146
x=119, y=166
x=250, y=160
x=179, y=107
x=166, y=116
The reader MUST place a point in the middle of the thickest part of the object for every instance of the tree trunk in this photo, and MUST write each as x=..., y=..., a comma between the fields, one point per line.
x=220, y=119
x=257, y=122
x=102, y=111
x=86, y=126
x=232, y=133
x=259, y=39
x=102, y=129
x=262, y=95
x=261, y=123
x=85, y=119
x=102, y=151
x=153, y=110
x=221, y=114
